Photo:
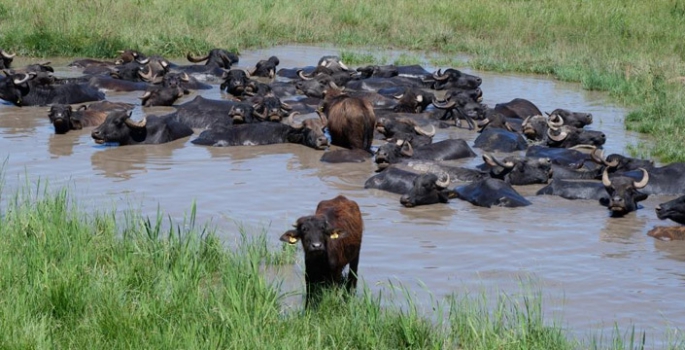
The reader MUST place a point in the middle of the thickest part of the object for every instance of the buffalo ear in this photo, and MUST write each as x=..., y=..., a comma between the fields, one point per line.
x=290, y=237
x=337, y=233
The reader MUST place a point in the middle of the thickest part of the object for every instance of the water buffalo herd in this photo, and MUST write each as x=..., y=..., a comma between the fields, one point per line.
x=384, y=114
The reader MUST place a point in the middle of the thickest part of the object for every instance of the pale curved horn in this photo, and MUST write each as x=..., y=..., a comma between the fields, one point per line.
x=300, y=73
x=146, y=95
x=195, y=59
x=605, y=178
x=561, y=137
x=398, y=97
x=443, y=104
x=293, y=123
x=185, y=77
x=24, y=79
x=556, y=124
x=439, y=76
x=421, y=131
x=131, y=123
x=7, y=55
x=445, y=181
x=146, y=76
x=643, y=182
x=492, y=161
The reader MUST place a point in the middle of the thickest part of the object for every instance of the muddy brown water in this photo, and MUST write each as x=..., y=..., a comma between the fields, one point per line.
x=593, y=271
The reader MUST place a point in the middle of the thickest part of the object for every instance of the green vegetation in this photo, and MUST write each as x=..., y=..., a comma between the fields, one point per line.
x=632, y=49
x=118, y=281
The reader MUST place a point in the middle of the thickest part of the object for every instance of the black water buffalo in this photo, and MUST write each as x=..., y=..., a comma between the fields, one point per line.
x=449, y=149
x=577, y=119
x=673, y=210
x=6, y=59
x=534, y=127
x=455, y=79
x=567, y=136
x=393, y=179
x=331, y=239
x=32, y=89
x=489, y=192
x=575, y=189
x=266, y=68
x=202, y=113
x=517, y=108
x=161, y=96
x=623, y=193
x=235, y=82
x=351, y=121
x=387, y=71
x=118, y=127
x=217, y=57
x=519, y=170
x=460, y=106
x=428, y=189
x=413, y=101
x=500, y=140
x=309, y=133
x=64, y=118
x=395, y=129
x=270, y=108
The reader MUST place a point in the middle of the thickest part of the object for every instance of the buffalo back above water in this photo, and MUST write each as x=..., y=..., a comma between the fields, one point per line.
x=351, y=121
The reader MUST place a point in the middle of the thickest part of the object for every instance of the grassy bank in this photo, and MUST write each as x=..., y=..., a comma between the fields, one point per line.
x=634, y=50
x=76, y=280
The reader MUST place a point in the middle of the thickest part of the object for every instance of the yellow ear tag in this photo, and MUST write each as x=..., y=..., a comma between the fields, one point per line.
x=334, y=235
x=292, y=240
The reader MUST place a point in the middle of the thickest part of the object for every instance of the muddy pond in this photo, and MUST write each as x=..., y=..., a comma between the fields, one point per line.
x=594, y=271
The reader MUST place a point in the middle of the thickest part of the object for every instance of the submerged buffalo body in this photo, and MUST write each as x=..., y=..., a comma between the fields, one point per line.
x=119, y=128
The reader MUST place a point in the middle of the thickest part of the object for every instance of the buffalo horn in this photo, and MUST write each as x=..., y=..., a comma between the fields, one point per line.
x=493, y=162
x=443, y=180
x=443, y=104
x=421, y=131
x=147, y=94
x=343, y=66
x=398, y=97
x=561, y=137
x=605, y=178
x=143, y=61
x=597, y=155
x=439, y=76
x=194, y=59
x=185, y=77
x=146, y=76
x=526, y=121
x=643, y=182
x=7, y=55
x=286, y=106
x=24, y=79
x=293, y=123
x=133, y=124
x=300, y=73
x=555, y=124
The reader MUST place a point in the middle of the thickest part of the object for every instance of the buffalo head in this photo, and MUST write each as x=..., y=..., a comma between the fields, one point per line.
x=119, y=127
x=455, y=79
x=673, y=210
x=428, y=189
x=623, y=193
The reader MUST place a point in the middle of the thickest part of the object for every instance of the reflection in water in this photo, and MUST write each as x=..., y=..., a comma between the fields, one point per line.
x=606, y=270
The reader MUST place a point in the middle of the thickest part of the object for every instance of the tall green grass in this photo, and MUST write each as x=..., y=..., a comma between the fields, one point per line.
x=632, y=49
x=71, y=279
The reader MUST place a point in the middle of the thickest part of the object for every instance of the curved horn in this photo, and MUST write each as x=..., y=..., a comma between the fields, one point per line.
x=398, y=97
x=443, y=104
x=445, y=181
x=185, y=77
x=146, y=76
x=24, y=79
x=7, y=55
x=597, y=155
x=131, y=123
x=605, y=178
x=194, y=59
x=526, y=121
x=143, y=61
x=147, y=94
x=561, y=137
x=286, y=106
x=421, y=131
x=439, y=76
x=492, y=161
x=256, y=107
x=300, y=74
x=643, y=182
x=293, y=123
x=555, y=124
x=343, y=66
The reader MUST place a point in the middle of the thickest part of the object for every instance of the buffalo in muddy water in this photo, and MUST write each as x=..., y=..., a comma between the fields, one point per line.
x=40, y=89
x=455, y=79
x=266, y=68
x=351, y=121
x=672, y=210
x=491, y=192
x=624, y=193
x=118, y=127
x=64, y=118
x=428, y=189
x=450, y=149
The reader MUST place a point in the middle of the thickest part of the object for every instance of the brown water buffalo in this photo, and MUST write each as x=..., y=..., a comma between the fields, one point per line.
x=351, y=120
x=668, y=233
x=331, y=239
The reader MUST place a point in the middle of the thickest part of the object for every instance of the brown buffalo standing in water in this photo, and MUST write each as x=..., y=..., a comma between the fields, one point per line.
x=351, y=121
